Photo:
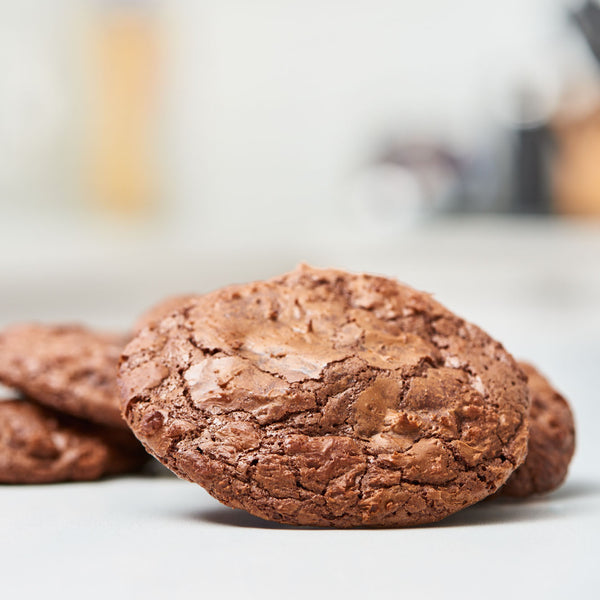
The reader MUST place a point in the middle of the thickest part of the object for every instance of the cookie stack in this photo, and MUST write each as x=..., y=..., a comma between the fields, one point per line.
x=67, y=425
x=319, y=398
x=327, y=398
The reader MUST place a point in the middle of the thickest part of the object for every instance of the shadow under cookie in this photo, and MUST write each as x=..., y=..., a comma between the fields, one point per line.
x=495, y=512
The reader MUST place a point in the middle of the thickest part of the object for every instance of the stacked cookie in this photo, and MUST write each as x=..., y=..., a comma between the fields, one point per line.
x=319, y=397
x=327, y=398
x=67, y=425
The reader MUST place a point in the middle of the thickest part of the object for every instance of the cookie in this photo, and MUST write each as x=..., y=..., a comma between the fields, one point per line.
x=551, y=440
x=67, y=367
x=40, y=445
x=327, y=398
x=161, y=310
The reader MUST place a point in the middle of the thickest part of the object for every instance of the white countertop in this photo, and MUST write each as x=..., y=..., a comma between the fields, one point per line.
x=534, y=286
x=164, y=538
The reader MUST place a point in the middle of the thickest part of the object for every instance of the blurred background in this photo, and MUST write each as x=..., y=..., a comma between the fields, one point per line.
x=151, y=147
x=238, y=117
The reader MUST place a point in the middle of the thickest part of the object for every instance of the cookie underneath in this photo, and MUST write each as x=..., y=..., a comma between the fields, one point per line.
x=551, y=440
x=39, y=445
x=67, y=367
x=327, y=398
x=161, y=310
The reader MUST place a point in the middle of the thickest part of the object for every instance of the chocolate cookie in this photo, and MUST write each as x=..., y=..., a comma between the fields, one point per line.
x=161, y=310
x=327, y=398
x=68, y=367
x=551, y=440
x=39, y=445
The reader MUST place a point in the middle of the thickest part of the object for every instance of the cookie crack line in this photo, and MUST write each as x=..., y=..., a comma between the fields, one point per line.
x=206, y=350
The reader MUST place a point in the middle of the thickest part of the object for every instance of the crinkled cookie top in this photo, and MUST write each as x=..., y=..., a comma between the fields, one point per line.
x=327, y=398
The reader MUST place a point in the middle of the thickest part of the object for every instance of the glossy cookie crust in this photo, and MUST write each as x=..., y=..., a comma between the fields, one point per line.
x=323, y=397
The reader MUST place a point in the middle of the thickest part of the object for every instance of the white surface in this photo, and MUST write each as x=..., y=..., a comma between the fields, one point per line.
x=164, y=538
x=536, y=286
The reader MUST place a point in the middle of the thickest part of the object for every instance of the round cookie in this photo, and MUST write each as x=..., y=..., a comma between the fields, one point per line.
x=161, y=310
x=551, y=440
x=328, y=398
x=39, y=445
x=67, y=367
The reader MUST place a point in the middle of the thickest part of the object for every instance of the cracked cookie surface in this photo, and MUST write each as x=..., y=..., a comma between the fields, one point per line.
x=39, y=445
x=551, y=440
x=327, y=398
x=67, y=367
